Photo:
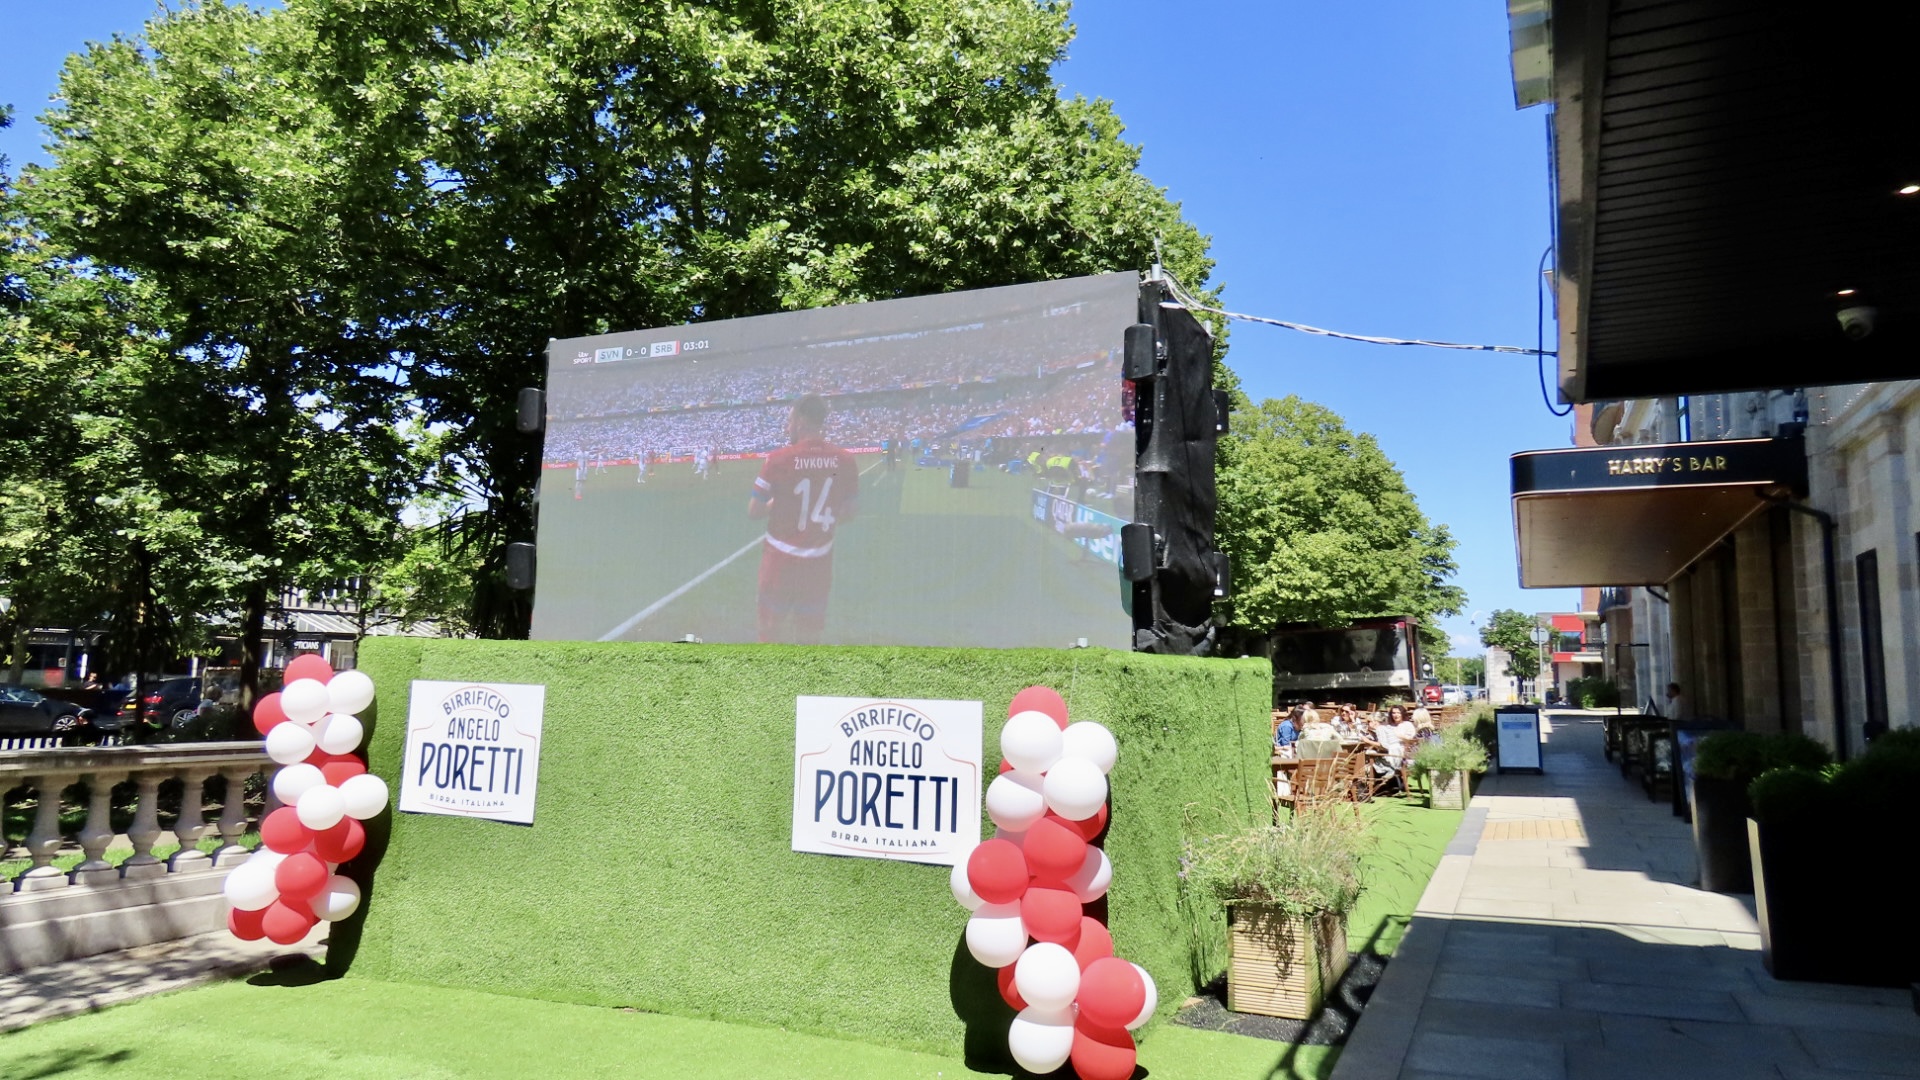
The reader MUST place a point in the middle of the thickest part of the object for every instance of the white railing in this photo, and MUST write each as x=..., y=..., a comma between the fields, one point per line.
x=47, y=772
x=51, y=742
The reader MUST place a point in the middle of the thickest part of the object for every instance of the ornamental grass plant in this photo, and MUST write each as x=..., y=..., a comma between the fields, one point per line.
x=1310, y=865
x=1455, y=752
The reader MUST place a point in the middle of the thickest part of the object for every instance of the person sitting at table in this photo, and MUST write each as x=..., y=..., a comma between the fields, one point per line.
x=1314, y=727
x=1286, y=734
x=1389, y=740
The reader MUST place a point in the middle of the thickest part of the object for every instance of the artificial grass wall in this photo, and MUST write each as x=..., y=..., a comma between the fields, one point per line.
x=658, y=873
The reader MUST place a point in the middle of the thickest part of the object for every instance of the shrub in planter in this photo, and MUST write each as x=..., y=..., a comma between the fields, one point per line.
x=1449, y=764
x=1723, y=767
x=1818, y=836
x=1288, y=890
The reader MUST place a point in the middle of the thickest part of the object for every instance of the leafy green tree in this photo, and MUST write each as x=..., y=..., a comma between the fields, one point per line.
x=1513, y=631
x=546, y=170
x=85, y=539
x=1322, y=529
x=194, y=165
x=1461, y=670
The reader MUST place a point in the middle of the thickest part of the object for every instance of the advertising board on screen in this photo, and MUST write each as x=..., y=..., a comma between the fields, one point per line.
x=942, y=470
x=1376, y=655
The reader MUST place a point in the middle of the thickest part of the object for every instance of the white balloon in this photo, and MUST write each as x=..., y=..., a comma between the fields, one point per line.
x=1075, y=789
x=349, y=692
x=339, y=733
x=339, y=899
x=1047, y=976
x=1015, y=800
x=320, y=807
x=1089, y=740
x=304, y=700
x=267, y=857
x=1030, y=741
x=962, y=888
x=365, y=795
x=1153, y=1000
x=995, y=935
x=1089, y=883
x=1041, y=1039
x=295, y=780
x=289, y=744
x=250, y=887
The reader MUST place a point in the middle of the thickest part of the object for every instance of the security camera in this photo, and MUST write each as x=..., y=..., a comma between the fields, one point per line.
x=1857, y=322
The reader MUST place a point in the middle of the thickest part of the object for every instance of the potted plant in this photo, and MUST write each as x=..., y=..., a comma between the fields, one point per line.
x=1724, y=765
x=1449, y=764
x=1821, y=839
x=1287, y=891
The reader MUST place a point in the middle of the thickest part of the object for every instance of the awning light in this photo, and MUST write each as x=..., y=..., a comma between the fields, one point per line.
x=1910, y=189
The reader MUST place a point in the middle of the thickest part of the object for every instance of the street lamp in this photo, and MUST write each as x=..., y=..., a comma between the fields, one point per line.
x=1540, y=636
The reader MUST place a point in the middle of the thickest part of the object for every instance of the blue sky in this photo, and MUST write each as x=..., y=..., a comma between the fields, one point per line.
x=1360, y=169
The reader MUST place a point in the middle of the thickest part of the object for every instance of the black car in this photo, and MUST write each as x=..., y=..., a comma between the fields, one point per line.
x=174, y=702
x=26, y=711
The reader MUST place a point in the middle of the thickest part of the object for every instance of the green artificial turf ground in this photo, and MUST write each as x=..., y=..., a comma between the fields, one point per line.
x=923, y=563
x=283, y=1025
x=269, y=1028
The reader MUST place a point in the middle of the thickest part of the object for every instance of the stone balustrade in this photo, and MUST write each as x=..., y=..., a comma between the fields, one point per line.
x=49, y=772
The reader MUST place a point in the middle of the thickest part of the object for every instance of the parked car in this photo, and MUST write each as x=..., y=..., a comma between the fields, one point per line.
x=1430, y=694
x=173, y=703
x=1454, y=695
x=26, y=711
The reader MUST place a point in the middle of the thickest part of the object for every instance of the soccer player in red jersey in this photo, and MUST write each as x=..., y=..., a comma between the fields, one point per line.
x=805, y=491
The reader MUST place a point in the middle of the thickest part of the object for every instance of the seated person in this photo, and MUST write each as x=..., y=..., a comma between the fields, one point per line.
x=1286, y=734
x=1315, y=727
x=1390, y=738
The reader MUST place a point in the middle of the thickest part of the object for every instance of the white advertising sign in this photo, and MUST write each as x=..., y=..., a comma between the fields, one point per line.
x=887, y=779
x=473, y=750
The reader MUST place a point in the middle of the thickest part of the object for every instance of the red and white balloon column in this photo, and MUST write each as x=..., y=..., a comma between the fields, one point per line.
x=292, y=882
x=1028, y=888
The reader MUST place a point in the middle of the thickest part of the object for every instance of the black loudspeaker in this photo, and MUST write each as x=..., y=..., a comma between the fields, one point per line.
x=533, y=410
x=1177, y=420
x=1141, y=356
x=520, y=565
x=1136, y=552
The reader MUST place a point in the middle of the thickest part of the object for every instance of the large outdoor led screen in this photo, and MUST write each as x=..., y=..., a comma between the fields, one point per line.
x=945, y=470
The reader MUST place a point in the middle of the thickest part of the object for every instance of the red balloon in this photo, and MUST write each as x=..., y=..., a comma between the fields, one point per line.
x=342, y=842
x=246, y=924
x=308, y=666
x=1054, y=852
x=1101, y=1051
x=1010, y=993
x=340, y=768
x=1095, y=943
x=1052, y=915
x=1006, y=766
x=1111, y=993
x=282, y=832
x=299, y=876
x=1090, y=829
x=1041, y=699
x=997, y=870
x=267, y=713
x=286, y=923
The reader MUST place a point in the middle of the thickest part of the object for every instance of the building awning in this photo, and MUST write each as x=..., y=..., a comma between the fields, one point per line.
x=1730, y=177
x=1638, y=515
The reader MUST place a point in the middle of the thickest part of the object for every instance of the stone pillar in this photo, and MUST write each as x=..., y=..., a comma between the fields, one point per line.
x=43, y=840
x=98, y=832
x=192, y=824
x=145, y=831
x=233, y=816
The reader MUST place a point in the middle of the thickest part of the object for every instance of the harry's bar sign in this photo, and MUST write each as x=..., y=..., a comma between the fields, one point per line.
x=1758, y=462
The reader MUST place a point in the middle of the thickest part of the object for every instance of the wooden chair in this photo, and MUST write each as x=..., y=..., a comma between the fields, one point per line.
x=1319, y=783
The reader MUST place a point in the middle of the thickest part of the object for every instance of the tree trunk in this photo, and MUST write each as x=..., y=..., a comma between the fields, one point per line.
x=253, y=627
x=17, y=665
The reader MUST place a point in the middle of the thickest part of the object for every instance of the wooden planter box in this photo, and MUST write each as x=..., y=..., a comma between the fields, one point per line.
x=1449, y=790
x=1282, y=965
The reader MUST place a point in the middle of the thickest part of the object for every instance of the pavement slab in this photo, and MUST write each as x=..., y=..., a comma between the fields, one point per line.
x=1569, y=941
